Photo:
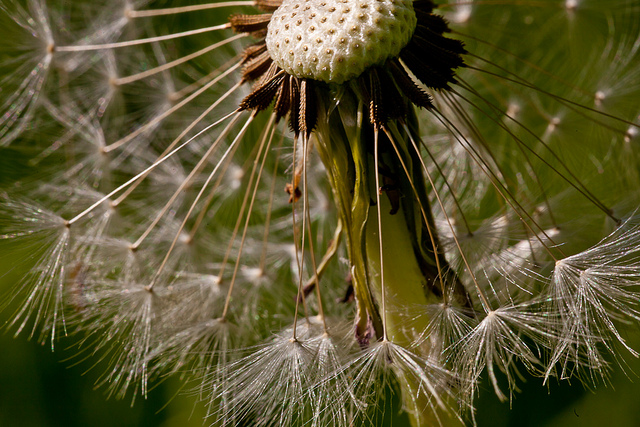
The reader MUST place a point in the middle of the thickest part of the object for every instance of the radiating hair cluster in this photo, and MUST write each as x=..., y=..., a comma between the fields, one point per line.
x=313, y=211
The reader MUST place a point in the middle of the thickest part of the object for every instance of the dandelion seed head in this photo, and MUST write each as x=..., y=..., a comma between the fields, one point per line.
x=366, y=32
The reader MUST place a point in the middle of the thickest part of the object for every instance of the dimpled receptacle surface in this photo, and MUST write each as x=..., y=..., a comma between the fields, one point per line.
x=337, y=40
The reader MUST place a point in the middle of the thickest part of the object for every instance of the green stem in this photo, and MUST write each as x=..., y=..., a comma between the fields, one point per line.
x=412, y=256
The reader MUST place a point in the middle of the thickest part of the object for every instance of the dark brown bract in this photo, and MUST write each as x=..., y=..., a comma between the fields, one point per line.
x=430, y=59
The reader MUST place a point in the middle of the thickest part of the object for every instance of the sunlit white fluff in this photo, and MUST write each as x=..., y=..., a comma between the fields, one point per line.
x=502, y=337
x=26, y=72
x=48, y=241
x=272, y=384
x=429, y=386
x=593, y=291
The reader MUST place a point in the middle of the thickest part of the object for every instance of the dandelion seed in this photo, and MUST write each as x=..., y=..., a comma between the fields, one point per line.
x=593, y=290
x=268, y=386
x=45, y=284
x=385, y=363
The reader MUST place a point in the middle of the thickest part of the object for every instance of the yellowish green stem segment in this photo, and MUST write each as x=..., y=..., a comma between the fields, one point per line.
x=413, y=260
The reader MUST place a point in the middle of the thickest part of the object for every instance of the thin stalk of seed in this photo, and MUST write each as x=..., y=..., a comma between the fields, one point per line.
x=185, y=182
x=328, y=256
x=183, y=9
x=212, y=194
x=578, y=185
x=436, y=250
x=306, y=212
x=236, y=227
x=483, y=298
x=171, y=110
x=300, y=297
x=169, y=65
x=502, y=189
x=193, y=205
x=106, y=46
x=269, y=131
x=385, y=336
x=267, y=221
x=148, y=169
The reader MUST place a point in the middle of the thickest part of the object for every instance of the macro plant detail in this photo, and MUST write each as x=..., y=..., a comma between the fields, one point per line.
x=461, y=180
